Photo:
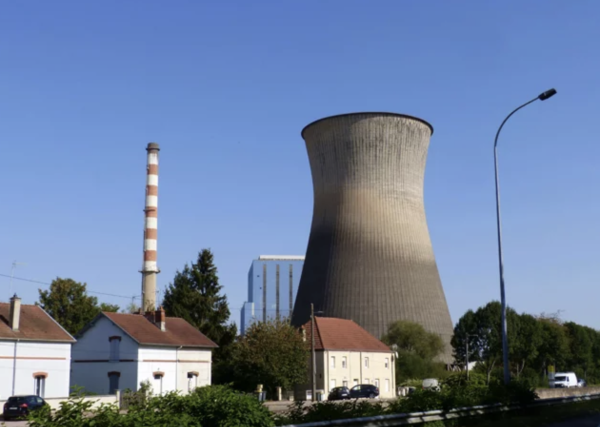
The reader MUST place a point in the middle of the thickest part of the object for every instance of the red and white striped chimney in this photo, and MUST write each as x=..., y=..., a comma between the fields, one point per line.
x=149, y=269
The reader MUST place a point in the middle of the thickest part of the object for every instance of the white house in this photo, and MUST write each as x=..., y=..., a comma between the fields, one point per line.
x=120, y=351
x=35, y=352
x=348, y=355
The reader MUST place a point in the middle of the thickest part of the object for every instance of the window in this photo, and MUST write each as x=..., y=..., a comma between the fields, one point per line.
x=331, y=384
x=344, y=362
x=40, y=385
x=387, y=363
x=332, y=362
x=354, y=382
x=366, y=381
x=387, y=385
x=113, y=382
x=366, y=362
x=376, y=383
x=192, y=381
x=114, y=348
x=345, y=383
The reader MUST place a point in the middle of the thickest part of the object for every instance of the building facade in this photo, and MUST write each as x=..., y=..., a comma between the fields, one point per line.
x=35, y=352
x=369, y=256
x=120, y=351
x=347, y=355
x=272, y=286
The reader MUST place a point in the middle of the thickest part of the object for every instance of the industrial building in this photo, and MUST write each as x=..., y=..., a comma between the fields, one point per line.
x=369, y=255
x=272, y=286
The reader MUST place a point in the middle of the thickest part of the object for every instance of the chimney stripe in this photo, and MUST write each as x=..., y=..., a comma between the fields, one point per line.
x=150, y=222
x=150, y=244
x=151, y=201
x=152, y=180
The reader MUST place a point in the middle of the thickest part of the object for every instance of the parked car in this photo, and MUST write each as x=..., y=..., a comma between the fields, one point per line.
x=339, y=393
x=431, y=384
x=564, y=380
x=364, y=390
x=21, y=406
x=581, y=383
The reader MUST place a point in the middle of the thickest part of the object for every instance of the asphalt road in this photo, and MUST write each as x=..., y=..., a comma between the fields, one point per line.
x=593, y=421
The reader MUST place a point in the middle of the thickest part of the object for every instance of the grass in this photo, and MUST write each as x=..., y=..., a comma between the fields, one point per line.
x=533, y=417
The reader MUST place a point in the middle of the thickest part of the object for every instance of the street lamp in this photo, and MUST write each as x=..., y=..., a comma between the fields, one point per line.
x=467, y=352
x=313, y=354
x=541, y=97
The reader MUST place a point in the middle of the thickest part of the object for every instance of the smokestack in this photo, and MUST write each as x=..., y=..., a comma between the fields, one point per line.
x=15, y=312
x=149, y=269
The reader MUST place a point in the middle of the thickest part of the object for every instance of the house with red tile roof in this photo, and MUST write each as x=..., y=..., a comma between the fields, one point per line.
x=347, y=355
x=119, y=351
x=35, y=352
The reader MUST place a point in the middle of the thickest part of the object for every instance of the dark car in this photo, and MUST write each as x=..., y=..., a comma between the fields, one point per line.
x=339, y=393
x=364, y=390
x=21, y=406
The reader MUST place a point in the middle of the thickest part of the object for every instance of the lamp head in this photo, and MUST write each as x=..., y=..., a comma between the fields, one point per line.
x=548, y=94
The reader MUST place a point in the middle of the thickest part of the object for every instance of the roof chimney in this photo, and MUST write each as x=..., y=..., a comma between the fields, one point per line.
x=15, y=312
x=159, y=319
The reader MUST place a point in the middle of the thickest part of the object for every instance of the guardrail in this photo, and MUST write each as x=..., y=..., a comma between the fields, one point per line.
x=438, y=415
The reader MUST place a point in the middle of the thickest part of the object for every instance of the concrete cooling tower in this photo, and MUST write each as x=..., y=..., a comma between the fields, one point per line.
x=369, y=255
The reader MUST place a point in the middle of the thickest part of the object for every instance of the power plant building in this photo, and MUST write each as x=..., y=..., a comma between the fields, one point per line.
x=369, y=257
x=272, y=287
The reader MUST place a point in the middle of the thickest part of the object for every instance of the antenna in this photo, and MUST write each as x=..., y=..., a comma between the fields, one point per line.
x=12, y=273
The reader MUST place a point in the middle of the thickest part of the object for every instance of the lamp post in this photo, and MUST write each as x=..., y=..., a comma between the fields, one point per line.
x=541, y=97
x=467, y=352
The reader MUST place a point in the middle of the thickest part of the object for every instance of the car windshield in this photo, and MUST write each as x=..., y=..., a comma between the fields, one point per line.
x=560, y=378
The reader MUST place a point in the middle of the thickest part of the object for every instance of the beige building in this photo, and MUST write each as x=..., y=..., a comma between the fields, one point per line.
x=347, y=355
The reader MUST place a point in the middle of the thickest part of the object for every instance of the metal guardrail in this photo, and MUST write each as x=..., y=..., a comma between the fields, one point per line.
x=439, y=415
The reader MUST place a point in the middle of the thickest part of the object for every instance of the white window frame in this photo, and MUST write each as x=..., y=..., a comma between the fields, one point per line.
x=344, y=362
x=367, y=381
x=332, y=362
x=345, y=383
x=387, y=384
x=376, y=383
x=387, y=363
x=332, y=384
x=355, y=382
x=366, y=362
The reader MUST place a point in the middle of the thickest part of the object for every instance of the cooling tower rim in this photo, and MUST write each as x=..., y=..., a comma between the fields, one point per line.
x=380, y=113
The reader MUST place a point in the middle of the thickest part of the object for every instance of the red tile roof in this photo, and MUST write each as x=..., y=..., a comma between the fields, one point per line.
x=34, y=324
x=177, y=332
x=343, y=335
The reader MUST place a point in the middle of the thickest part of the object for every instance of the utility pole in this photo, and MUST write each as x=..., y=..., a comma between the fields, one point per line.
x=12, y=273
x=467, y=356
x=314, y=357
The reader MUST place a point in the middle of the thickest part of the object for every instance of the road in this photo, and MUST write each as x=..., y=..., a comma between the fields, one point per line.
x=591, y=421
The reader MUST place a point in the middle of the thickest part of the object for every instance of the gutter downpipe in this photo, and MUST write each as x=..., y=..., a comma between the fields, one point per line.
x=177, y=365
x=14, y=378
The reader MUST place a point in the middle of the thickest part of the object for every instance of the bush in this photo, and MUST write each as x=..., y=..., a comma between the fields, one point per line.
x=215, y=406
x=328, y=411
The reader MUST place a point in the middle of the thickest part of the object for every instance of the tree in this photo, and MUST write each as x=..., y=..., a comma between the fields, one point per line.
x=68, y=303
x=525, y=347
x=111, y=308
x=131, y=308
x=196, y=296
x=417, y=350
x=272, y=353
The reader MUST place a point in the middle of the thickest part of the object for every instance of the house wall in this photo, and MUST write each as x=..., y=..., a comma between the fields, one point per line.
x=54, y=359
x=175, y=364
x=91, y=354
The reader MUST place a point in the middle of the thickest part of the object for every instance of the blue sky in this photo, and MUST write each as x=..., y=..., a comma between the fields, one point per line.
x=226, y=87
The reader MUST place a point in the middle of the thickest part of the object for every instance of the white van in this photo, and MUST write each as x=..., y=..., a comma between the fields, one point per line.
x=564, y=380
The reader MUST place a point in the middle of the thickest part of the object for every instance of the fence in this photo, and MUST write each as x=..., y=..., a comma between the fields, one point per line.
x=429, y=416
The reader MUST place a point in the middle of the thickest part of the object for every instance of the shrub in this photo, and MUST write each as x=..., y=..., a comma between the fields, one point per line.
x=328, y=411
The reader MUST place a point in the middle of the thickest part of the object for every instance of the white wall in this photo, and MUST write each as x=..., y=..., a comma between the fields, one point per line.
x=175, y=364
x=94, y=348
x=32, y=356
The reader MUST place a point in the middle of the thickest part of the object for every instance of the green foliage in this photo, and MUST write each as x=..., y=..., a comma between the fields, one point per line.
x=69, y=304
x=271, y=353
x=214, y=406
x=196, y=296
x=417, y=351
x=328, y=411
x=111, y=308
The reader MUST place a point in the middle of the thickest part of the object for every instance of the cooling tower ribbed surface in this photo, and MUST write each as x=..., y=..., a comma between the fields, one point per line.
x=369, y=255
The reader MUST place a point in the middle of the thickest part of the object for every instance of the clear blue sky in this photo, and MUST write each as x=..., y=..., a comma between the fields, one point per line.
x=226, y=87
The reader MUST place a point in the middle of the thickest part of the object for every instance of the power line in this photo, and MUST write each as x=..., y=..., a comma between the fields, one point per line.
x=48, y=284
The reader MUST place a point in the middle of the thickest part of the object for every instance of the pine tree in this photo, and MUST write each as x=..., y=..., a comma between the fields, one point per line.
x=195, y=295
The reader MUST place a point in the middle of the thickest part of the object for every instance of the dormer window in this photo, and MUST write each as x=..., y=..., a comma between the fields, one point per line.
x=115, y=343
